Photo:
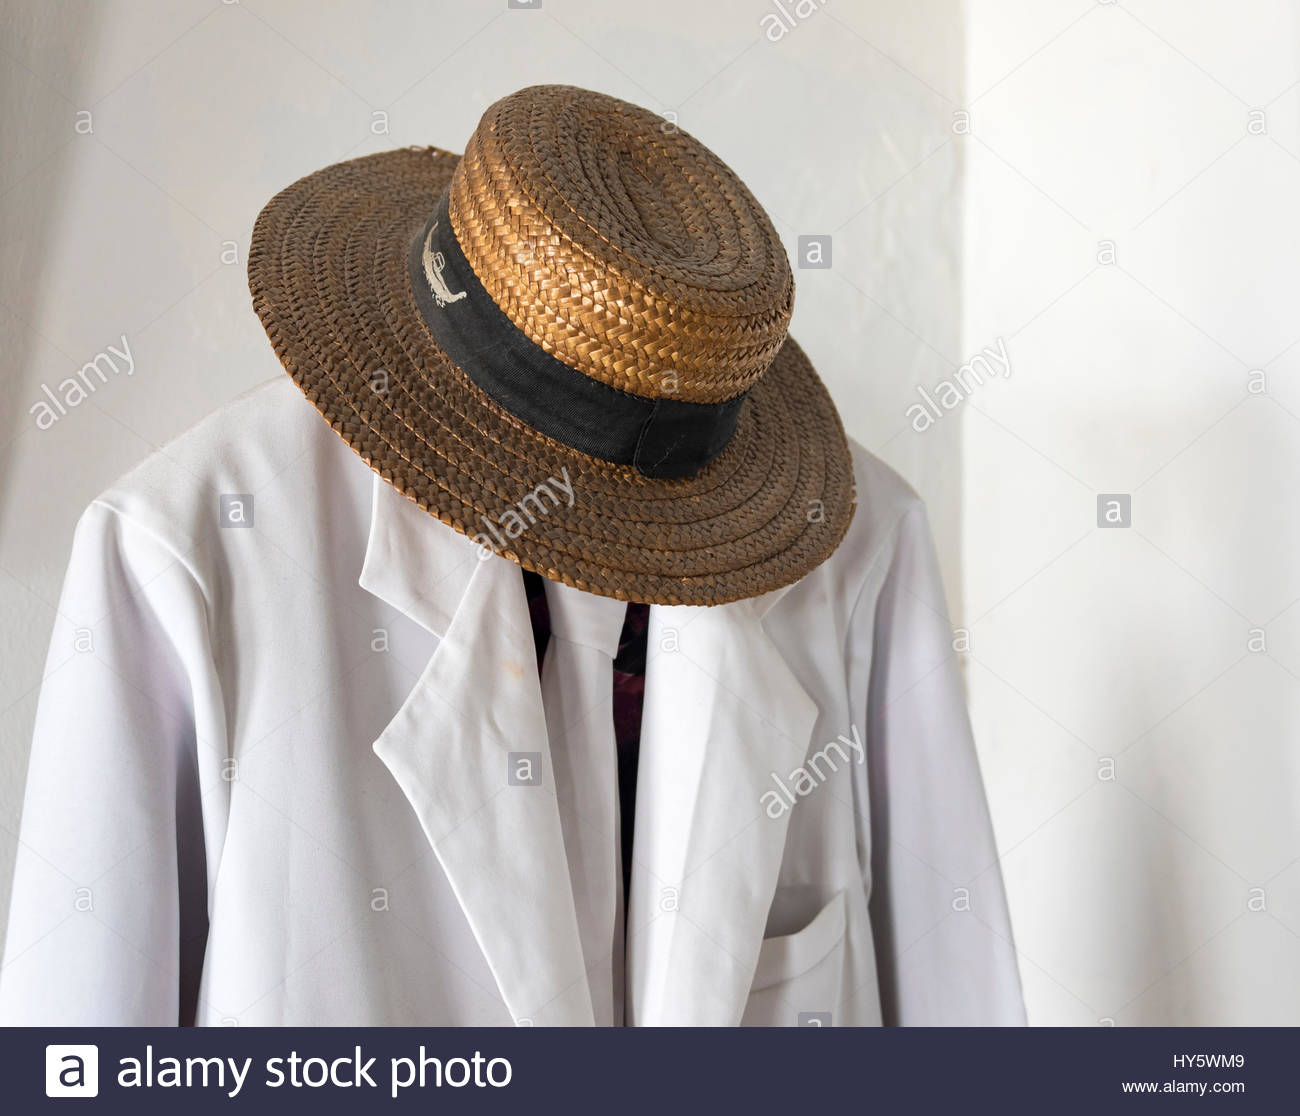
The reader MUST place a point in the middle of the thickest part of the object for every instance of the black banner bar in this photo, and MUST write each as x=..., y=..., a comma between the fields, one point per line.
x=673, y=1071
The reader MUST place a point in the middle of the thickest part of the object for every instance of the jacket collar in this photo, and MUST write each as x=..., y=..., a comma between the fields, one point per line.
x=723, y=712
x=423, y=569
x=414, y=563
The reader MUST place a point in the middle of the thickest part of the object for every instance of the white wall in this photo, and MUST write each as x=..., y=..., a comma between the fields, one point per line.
x=1132, y=897
x=1090, y=122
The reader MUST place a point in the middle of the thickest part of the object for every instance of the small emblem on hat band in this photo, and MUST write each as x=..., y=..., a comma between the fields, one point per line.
x=434, y=265
x=660, y=437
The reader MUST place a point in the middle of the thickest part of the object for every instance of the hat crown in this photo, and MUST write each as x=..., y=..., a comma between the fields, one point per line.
x=621, y=245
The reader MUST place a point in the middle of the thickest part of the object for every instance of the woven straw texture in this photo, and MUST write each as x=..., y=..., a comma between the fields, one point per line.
x=623, y=249
x=629, y=268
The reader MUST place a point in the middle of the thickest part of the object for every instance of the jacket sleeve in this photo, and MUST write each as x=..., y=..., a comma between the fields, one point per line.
x=944, y=952
x=108, y=911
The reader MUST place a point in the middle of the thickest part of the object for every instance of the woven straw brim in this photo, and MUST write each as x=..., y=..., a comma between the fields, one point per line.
x=328, y=274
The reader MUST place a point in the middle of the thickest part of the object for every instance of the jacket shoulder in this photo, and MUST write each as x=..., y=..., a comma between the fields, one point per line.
x=176, y=491
x=884, y=499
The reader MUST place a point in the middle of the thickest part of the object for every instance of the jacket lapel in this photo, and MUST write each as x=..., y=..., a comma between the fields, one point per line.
x=465, y=747
x=723, y=712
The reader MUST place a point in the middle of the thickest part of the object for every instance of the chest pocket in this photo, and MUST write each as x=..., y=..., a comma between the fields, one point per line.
x=799, y=974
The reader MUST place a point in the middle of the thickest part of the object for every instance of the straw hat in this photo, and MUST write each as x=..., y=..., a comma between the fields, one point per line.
x=569, y=344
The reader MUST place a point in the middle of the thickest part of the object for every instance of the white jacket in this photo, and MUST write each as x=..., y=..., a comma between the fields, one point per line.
x=268, y=783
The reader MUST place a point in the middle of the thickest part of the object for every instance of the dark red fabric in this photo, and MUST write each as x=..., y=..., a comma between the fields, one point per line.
x=629, y=696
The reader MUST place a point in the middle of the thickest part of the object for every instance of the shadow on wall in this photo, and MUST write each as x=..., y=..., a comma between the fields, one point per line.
x=41, y=117
x=38, y=122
